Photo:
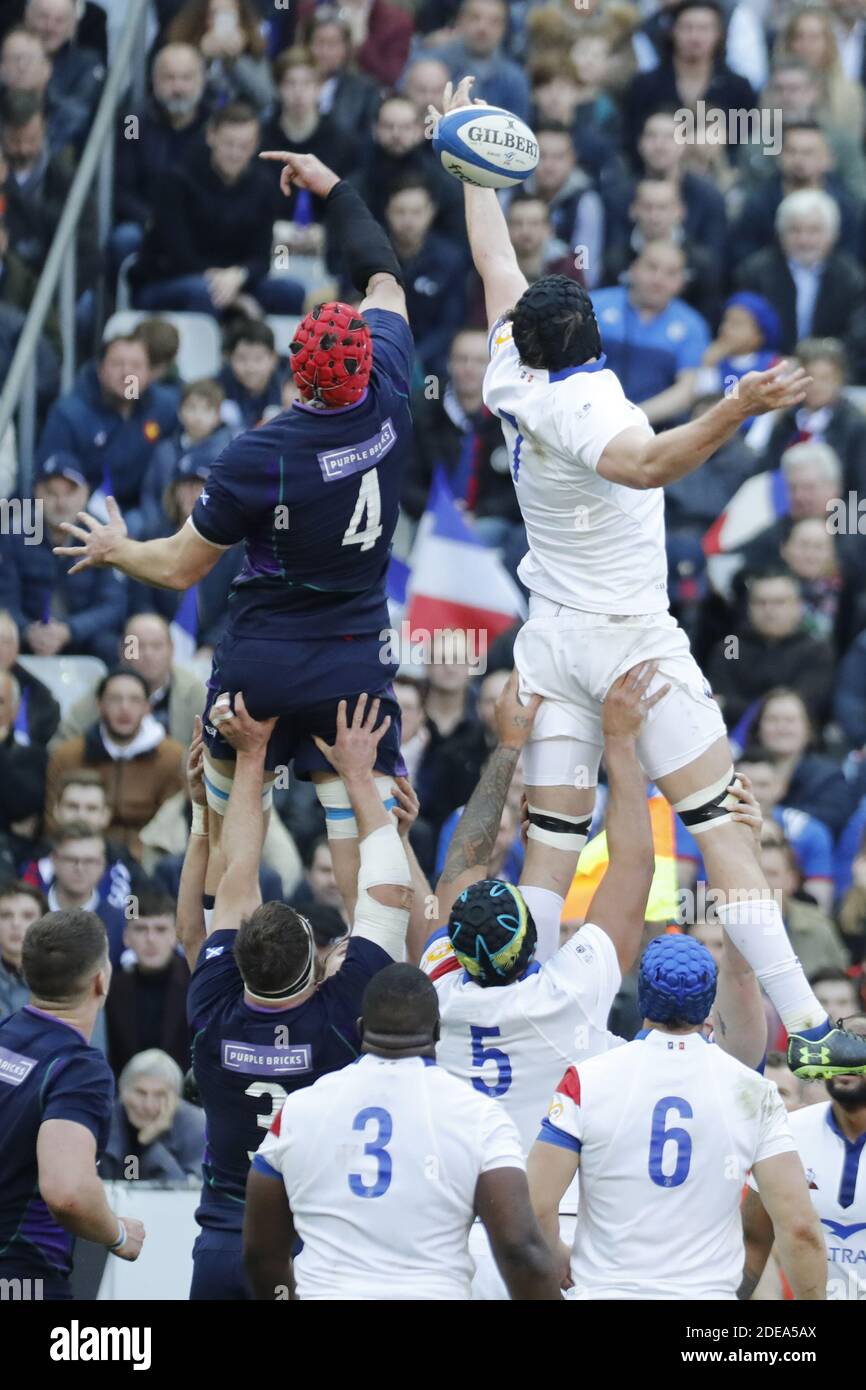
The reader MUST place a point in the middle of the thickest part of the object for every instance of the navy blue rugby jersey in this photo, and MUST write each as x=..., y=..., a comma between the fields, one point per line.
x=48, y=1071
x=315, y=495
x=247, y=1059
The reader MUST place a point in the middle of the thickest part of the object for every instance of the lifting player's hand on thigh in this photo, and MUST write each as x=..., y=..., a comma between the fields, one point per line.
x=195, y=765
x=627, y=703
x=245, y=734
x=408, y=805
x=353, y=754
x=747, y=809
x=514, y=720
x=302, y=171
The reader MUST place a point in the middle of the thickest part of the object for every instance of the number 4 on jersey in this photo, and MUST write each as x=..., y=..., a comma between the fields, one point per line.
x=369, y=501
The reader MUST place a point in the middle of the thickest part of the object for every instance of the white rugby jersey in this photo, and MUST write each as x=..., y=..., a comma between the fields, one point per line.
x=836, y=1174
x=593, y=545
x=380, y=1162
x=512, y=1042
x=667, y=1128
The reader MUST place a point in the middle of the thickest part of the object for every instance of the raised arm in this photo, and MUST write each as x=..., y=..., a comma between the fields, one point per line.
x=423, y=901
x=243, y=830
x=384, y=880
x=171, y=562
x=619, y=903
x=638, y=460
x=190, y=915
x=472, y=842
x=492, y=252
x=370, y=260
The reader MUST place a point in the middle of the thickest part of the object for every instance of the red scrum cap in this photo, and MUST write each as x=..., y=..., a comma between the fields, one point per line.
x=332, y=355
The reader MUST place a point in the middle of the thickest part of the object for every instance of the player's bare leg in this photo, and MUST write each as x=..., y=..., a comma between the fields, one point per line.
x=219, y=775
x=559, y=819
x=748, y=911
x=342, y=836
x=342, y=828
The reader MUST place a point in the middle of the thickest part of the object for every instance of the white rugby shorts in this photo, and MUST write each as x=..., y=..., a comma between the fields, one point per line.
x=572, y=658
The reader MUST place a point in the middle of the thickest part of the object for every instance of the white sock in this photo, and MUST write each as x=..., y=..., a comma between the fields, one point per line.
x=208, y=917
x=758, y=932
x=546, y=909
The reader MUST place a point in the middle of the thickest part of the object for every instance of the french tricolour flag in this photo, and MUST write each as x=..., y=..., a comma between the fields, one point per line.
x=184, y=628
x=757, y=504
x=454, y=580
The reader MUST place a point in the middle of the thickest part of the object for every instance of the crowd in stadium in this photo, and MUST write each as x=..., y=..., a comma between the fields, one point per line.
x=704, y=261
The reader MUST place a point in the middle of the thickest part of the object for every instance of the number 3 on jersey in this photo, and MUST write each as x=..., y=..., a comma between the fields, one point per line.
x=661, y=1136
x=277, y=1094
x=369, y=501
x=374, y=1148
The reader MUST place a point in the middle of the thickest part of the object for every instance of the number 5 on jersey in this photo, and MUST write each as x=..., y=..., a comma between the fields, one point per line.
x=369, y=502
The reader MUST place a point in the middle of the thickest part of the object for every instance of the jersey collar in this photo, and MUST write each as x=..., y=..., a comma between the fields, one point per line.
x=566, y=372
x=43, y=1013
x=659, y=1035
x=325, y=412
x=532, y=969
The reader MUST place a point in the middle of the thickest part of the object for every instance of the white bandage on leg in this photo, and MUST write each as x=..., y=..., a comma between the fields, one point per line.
x=383, y=861
x=546, y=909
x=386, y=795
x=556, y=829
x=706, y=809
x=340, y=822
x=757, y=930
x=218, y=789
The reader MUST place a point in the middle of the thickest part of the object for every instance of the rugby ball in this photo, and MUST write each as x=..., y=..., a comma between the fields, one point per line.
x=486, y=145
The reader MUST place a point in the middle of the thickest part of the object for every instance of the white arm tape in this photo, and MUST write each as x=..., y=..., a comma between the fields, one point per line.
x=383, y=861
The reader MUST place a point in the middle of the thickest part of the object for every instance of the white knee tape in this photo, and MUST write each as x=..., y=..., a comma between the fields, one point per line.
x=706, y=809
x=383, y=861
x=558, y=830
x=386, y=796
x=218, y=787
x=340, y=823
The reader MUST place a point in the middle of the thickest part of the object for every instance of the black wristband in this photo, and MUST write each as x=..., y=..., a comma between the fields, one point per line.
x=366, y=248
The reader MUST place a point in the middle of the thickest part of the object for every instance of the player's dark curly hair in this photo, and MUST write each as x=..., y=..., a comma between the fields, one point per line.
x=555, y=326
x=271, y=947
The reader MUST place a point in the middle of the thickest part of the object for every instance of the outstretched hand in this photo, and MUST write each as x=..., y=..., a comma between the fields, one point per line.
x=353, y=753
x=453, y=98
x=779, y=388
x=302, y=171
x=97, y=538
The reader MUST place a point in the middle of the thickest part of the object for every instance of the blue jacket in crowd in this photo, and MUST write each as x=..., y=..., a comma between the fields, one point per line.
x=105, y=443
x=92, y=603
